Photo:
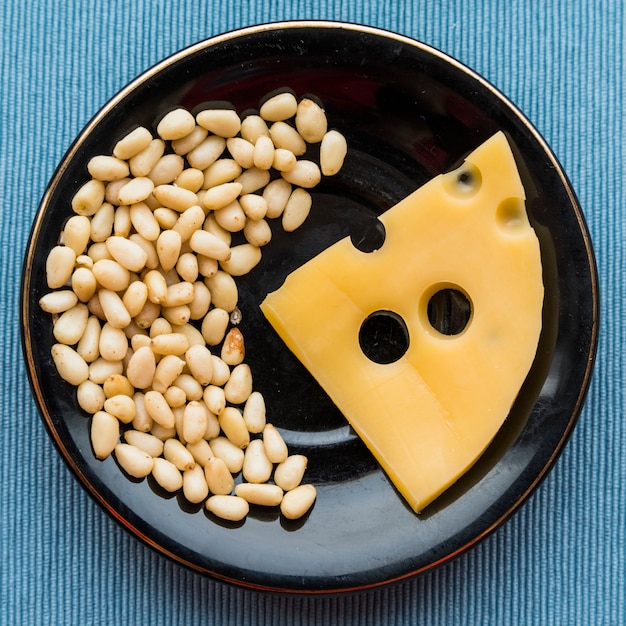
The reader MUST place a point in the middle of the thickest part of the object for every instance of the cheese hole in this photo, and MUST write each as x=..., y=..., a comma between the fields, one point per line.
x=511, y=215
x=368, y=235
x=449, y=311
x=384, y=337
x=463, y=182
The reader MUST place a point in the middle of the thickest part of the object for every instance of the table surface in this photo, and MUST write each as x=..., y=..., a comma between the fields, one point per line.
x=560, y=560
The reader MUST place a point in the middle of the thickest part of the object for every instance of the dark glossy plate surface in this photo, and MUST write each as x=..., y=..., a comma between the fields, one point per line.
x=408, y=113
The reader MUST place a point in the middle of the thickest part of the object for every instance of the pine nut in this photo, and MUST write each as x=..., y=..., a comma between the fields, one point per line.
x=232, y=424
x=257, y=232
x=58, y=301
x=132, y=143
x=218, y=476
x=224, y=292
x=189, y=222
x=285, y=136
x=253, y=205
x=135, y=297
x=104, y=434
x=214, y=325
x=84, y=283
x=176, y=124
x=201, y=452
x=194, y=421
x=231, y=217
x=127, y=253
x=158, y=409
x=152, y=258
x=174, y=197
x=166, y=218
x=187, y=269
x=298, y=501
x=284, y=160
x=89, y=198
x=254, y=412
x=311, y=121
x=192, y=388
x=222, y=171
x=179, y=293
x=59, y=266
x=275, y=446
x=90, y=397
x=70, y=365
x=101, y=369
x=76, y=233
x=185, y=144
x=263, y=153
x=175, y=452
x=134, y=461
x=221, y=195
x=148, y=314
x=242, y=259
x=113, y=343
x=142, y=162
x=170, y=343
x=111, y=275
x=332, y=152
x=156, y=286
x=231, y=508
x=304, y=174
x=206, y=152
x=201, y=302
x=168, y=247
x=144, y=441
x=261, y=494
x=233, y=348
x=71, y=324
x=214, y=398
x=190, y=178
x=222, y=122
x=136, y=190
x=253, y=179
x=296, y=210
x=122, y=407
x=167, y=371
x=257, y=468
x=242, y=151
x=175, y=397
x=209, y=245
x=288, y=474
x=142, y=218
x=253, y=127
x=177, y=314
x=200, y=363
x=107, y=168
x=167, y=475
x=221, y=371
x=195, y=488
x=276, y=195
x=102, y=222
x=118, y=384
x=226, y=450
x=279, y=107
x=239, y=386
x=160, y=326
x=141, y=368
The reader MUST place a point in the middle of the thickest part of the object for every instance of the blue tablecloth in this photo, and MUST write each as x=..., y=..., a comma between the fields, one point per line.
x=560, y=560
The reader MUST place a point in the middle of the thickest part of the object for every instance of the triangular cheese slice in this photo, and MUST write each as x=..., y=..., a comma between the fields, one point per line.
x=428, y=416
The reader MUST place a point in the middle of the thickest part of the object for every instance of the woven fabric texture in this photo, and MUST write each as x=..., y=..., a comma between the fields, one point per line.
x=560, y=560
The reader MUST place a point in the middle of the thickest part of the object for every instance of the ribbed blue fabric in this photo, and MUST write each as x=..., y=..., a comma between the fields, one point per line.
x=560, y=560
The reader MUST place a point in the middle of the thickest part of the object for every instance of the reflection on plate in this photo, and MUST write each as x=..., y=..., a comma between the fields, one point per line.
x=408, y=113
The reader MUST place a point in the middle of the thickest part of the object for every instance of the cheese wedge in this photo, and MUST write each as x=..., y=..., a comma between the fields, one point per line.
x=430, y=414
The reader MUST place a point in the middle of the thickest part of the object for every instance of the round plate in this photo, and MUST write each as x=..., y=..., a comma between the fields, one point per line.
x=409, y=113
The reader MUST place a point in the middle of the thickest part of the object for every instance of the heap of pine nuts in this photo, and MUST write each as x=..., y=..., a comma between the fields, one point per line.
x=144, y=300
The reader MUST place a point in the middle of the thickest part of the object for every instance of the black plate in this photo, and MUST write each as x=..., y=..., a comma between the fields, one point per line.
x=409, y=113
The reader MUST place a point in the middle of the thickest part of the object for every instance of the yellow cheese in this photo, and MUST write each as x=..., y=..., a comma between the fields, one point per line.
x=430, y=414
